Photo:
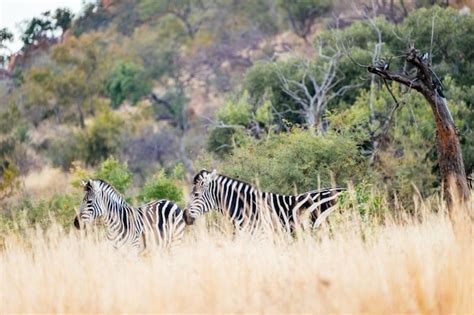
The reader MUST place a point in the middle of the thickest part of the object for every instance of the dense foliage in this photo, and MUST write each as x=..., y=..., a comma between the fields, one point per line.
x=271, y=92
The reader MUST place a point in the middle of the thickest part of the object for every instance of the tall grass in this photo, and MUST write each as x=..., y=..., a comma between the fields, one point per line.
x=411, y=265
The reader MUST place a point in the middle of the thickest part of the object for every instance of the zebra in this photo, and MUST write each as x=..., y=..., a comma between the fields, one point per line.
x=244, y=204
x=159, y=222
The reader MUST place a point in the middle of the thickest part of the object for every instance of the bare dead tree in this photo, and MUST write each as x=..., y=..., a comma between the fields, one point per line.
x=425, y=81
x=317, y=86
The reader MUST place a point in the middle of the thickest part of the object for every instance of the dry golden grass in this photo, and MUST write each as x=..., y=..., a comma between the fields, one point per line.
x=46, y=182
x=417, y=266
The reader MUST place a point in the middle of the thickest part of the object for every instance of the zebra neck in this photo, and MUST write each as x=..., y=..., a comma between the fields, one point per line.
x=119, y=218
x=233, y=196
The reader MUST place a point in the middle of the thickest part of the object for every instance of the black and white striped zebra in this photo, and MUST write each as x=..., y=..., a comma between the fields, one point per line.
x=244, y=204
x=158, y=223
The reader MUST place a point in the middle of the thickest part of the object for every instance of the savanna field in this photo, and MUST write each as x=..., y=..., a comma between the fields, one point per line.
x=367, y=103
x=352, y=265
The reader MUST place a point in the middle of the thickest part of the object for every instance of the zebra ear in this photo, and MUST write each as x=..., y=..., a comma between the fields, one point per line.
x=213, y=175
x=94, y=184
x=84, y=182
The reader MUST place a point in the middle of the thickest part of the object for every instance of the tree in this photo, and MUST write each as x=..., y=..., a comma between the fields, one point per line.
x=450, y=36
x=172, y=106
x=80, y=73
x=38, y=28
x=127, y=81
x=190, y=12
x=302, y=14
x=94, y=17
x=232, y=120
x=425, y=81
x=316, y=87
x=5, y=36
x=63, y=19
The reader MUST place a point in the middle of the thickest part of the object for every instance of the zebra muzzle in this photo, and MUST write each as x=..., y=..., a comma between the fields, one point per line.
x=77, y=223
x=188, y=219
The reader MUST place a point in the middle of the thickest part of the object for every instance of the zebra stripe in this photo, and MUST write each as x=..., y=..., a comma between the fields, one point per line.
x=244, y=205
x=158, y=223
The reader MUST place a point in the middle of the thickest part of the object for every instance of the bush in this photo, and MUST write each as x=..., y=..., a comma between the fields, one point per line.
x=366, y=200
x=161, y=186
x=115, y=173
x=150, y=147
x=63, y=151
x=26, y=212
x=9, y=182
x=232, y=120
x=102, y=138
x=296, y=162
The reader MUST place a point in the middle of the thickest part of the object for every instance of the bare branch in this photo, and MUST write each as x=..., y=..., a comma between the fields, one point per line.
x=316, y=86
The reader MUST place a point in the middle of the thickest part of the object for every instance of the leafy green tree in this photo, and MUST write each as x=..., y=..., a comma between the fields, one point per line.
x=156, y=45
x=80, y=75
x=452, y=47
x=127, y=81
x=9, y=182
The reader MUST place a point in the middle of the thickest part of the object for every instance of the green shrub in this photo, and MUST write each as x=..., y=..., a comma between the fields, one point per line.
x=161, y=186
x=102, y=138
x=115, y=173
x=297, y=161
x=26, y=212
x=232, y=119
x=365, y=199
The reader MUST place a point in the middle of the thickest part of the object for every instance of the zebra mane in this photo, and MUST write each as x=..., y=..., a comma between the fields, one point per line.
x=238, y=181
x=200, y=176
x=110, y=191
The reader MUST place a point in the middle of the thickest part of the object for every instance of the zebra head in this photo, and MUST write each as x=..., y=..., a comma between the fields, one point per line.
x=203, y=198
x=92, y=205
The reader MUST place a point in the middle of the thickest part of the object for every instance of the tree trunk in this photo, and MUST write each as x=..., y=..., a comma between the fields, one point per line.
x=81, y=116
x=450, y=160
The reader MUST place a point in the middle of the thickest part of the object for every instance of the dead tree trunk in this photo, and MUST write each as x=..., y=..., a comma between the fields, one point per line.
x=450, y=160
